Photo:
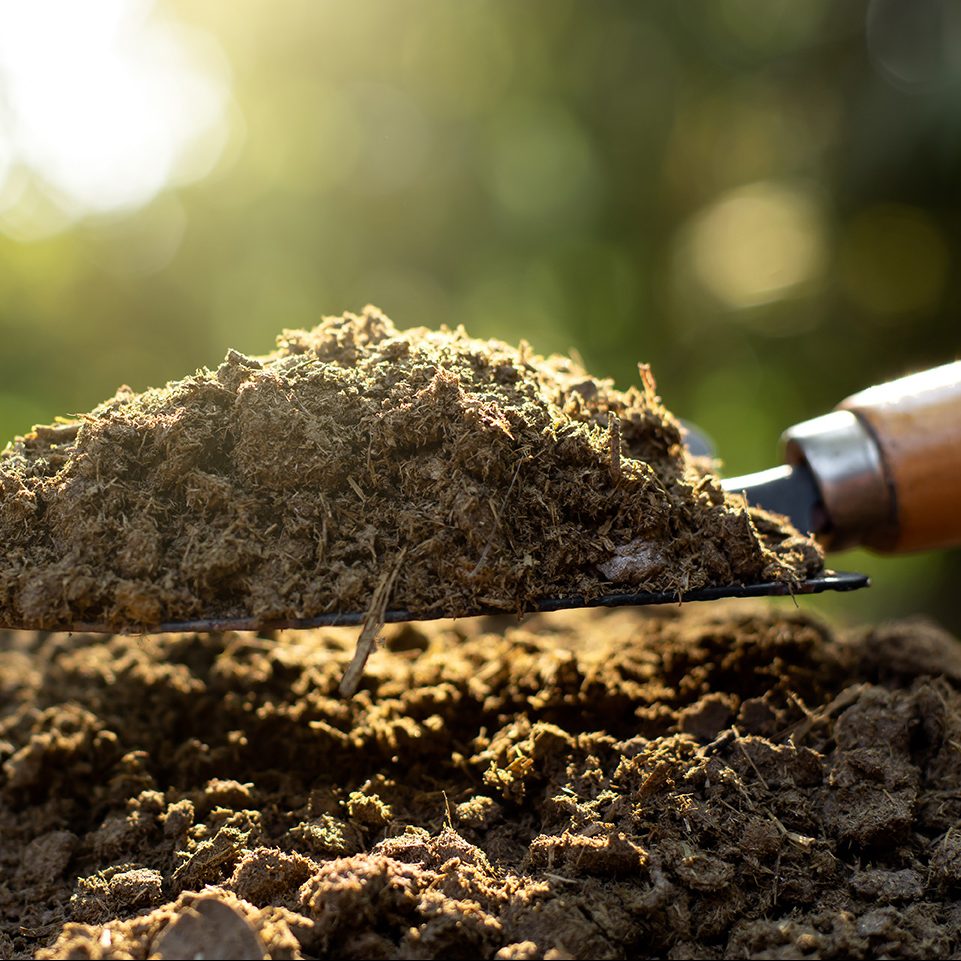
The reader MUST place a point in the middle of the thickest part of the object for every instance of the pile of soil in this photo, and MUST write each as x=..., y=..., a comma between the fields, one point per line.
x=357, y=464
x=717, y=783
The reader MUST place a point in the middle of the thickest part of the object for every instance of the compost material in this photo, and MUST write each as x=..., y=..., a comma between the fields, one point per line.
x=468, y=474
x=719, y=783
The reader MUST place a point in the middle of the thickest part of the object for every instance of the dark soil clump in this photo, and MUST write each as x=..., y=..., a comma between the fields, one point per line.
x=721, y=783
x=473, y=474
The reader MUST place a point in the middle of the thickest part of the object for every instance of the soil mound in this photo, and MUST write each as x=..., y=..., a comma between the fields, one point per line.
x=463, y=474
x=720, y=783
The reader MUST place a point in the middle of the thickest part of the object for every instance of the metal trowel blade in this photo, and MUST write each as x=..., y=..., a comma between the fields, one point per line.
x=826, y=581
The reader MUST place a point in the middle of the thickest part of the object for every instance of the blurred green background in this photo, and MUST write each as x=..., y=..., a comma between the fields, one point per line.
x=760, y=198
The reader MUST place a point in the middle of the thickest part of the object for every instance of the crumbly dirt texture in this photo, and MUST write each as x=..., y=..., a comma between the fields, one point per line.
x=464, y=474
x=719, y=783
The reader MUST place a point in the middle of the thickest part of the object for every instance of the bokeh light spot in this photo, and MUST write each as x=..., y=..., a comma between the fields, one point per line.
x=757, y=244
x=914, y=44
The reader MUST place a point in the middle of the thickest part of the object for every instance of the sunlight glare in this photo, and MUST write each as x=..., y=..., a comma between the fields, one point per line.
x=103, y=101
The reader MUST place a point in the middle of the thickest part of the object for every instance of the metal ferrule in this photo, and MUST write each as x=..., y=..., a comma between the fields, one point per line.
x=846, y=463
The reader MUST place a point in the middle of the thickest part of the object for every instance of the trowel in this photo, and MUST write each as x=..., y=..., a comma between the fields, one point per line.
x=882, y=470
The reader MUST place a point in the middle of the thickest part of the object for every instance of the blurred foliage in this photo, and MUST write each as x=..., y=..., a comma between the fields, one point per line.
x=758, y=197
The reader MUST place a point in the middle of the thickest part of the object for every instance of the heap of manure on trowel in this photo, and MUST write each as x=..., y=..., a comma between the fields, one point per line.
x=360, y=466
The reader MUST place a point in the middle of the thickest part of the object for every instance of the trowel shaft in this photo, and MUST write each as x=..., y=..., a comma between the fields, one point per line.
x=882, y=470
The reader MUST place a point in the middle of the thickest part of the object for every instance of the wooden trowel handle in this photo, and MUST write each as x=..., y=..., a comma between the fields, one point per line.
x=916, y=424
